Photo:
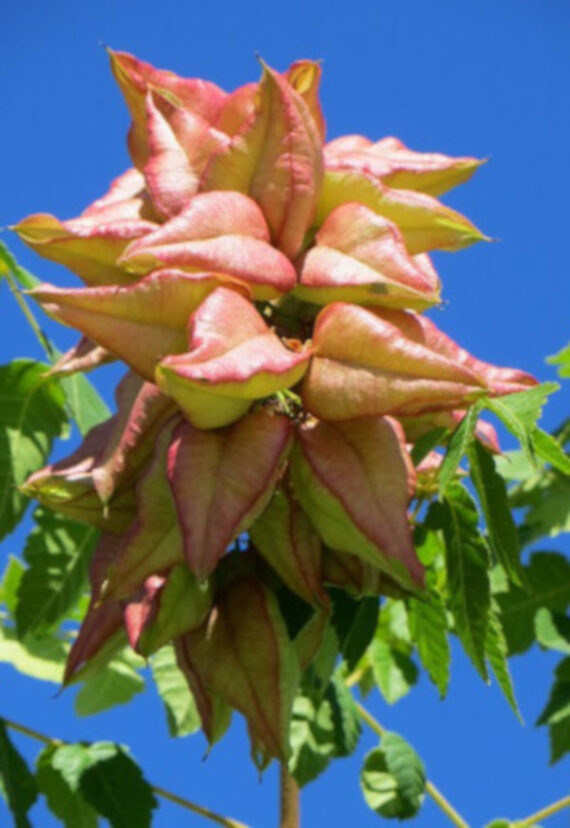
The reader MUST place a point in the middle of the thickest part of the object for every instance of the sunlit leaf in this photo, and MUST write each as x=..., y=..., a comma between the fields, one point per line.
x=183, y=718
x=41, y=658
x=550, y=450
x=552, y=630
x=562, y=359
x=312, y=739
x=116, y=684
x=32, y=415
x=520, y=412
x=10, y=582
x=61, y=789
x=393, y=778
x=58, y=552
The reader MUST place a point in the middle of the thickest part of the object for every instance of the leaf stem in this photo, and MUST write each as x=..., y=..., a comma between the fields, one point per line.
x=162, y=792
x=550, y=810
x=31, y=319
x=431, y=789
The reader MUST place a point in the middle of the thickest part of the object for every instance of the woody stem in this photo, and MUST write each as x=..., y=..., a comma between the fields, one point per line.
x=290, y=800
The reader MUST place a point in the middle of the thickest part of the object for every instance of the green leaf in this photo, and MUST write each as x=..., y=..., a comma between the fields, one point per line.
x=562, y=358
x=183, y=717
x=345, y=716
x=10, y=583
x=312, y=737
x=394, y=671
x=41, y=658
x=552, y=630
x=493, y=497
x=516, y=465
x=317, y=676
x=425, y=444
x=18, y=782
x=116, y=684
x=429, y=546
x=114, y=786
x=105, y=779
x=558, y=706
x=550, y=450
x=32, y=415
x=520, y=412
x=86, y=405
x=428, y=625
x=496, y=650
x=61, y=787
x=322, y=727
x=354, y=623
x=58, y=552
x=556, y=714
x=460, y=440
x=468, y=579
x=548, y=508
x=9, y=264
x=388, y=655
x=548, y=579
x=393, y=778
x=559, y=739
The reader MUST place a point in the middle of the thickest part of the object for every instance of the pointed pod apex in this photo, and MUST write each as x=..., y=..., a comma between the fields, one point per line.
x=89, y=245
x=276, y=158
x=371, y=362
x=244, y=655
x=389, y=161
x=425, y=222
x=357, y=493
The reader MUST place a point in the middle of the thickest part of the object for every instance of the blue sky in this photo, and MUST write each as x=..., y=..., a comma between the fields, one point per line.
x=487, y=79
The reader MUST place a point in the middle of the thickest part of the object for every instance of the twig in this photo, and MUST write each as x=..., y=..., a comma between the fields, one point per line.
x=179, y=800
x=543, y=813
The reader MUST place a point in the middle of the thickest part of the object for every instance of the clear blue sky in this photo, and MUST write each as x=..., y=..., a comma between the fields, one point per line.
x=487, y=79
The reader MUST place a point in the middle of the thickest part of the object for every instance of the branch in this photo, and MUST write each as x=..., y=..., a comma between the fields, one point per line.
x=431, y=789
x=290, y=800
x=543, y=813
x=178, y=800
